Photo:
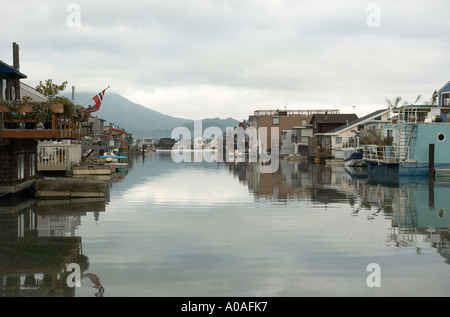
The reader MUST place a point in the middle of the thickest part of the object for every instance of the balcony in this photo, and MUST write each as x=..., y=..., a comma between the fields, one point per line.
x=58, y=157
x=22, y=124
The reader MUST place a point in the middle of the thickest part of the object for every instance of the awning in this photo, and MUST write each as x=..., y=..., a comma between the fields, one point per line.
x=10, y=72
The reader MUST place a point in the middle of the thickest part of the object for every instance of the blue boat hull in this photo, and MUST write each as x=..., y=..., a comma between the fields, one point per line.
x=403, y=169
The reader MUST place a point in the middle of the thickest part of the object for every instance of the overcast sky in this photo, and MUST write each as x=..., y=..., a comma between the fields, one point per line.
x=227, y=58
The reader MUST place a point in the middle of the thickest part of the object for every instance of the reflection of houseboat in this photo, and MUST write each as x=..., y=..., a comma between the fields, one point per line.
x=36, y=249
x=356, y=171
x=420, y=134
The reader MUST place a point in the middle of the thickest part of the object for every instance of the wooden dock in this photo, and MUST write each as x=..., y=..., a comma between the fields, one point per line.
x=71, y=187
x=93, y=170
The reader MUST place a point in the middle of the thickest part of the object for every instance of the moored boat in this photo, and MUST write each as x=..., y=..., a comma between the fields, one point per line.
x=355, y=160
x=421, y=144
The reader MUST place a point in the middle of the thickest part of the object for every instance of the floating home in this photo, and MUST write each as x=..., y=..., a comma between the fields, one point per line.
x=21, y=126
x=421, y=140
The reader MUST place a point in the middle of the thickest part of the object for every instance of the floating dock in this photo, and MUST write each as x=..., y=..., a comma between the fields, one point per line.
x=80, y=187
x=93, y=170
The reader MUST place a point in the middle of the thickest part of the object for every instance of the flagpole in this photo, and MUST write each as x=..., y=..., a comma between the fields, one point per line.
x=93, y=97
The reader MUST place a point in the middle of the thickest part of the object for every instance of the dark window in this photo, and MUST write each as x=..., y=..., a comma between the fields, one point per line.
x=446, y=99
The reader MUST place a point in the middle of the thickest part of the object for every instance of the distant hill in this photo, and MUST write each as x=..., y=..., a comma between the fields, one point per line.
x=144, y=122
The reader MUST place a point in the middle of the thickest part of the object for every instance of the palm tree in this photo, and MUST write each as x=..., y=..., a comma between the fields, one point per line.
x=393, y=104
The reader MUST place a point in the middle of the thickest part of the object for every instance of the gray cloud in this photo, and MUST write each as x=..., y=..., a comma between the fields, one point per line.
x=236, y=54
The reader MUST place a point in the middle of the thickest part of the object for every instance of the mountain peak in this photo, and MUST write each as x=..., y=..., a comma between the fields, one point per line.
x=143, y=122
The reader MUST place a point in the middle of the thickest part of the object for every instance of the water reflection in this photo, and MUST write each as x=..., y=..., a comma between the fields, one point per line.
x=38, y=240
x=222, y=229
x=417, y=207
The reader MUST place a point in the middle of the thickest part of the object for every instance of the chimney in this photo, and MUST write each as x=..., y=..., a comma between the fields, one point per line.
x=16, y=65
x=16, y=56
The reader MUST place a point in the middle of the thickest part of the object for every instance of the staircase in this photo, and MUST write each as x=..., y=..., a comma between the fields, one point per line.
x=405, y=139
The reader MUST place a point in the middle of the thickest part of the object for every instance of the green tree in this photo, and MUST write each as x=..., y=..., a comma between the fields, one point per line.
x=50, y=90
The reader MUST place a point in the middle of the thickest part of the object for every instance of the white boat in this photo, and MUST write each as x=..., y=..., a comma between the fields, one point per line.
x=355, y=160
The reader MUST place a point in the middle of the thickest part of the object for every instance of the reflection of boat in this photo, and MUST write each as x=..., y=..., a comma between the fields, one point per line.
x=355, y=159
x=356, y=171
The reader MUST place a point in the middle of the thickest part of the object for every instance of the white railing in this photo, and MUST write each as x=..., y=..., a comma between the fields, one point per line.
x=271, y=113
x=58, y=157
x=385, y=154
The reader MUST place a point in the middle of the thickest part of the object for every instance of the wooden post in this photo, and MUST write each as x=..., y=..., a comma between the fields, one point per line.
x=1, y=123
x=431, y=176
x=431, y=160
x=53, y=125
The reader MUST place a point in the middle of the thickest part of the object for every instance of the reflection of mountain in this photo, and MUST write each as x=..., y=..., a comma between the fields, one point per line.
x=37, y=241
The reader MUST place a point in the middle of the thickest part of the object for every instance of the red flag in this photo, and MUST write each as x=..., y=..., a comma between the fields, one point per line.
x=98, y=101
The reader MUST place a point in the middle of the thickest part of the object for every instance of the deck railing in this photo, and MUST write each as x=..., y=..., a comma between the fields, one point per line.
x=59, y=126
x=58, y=157
x=385, y=154
x=289, y=113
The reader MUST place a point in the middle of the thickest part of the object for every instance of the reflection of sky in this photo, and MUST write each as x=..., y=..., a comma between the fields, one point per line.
x=195, y=231
x=191, y=186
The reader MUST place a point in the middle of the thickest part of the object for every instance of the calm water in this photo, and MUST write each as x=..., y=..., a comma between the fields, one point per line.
x=220, y=229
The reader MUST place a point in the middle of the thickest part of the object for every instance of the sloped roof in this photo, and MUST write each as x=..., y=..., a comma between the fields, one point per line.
x=26, y=90
x=437, y=92
x=359, y=121
x=334, y=118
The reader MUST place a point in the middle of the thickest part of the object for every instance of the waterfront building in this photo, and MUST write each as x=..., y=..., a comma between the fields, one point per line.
x=22, y=124
x=442, y=96
x=420, y=141
x=347, y=138
x=320, y=146
x=295, y=121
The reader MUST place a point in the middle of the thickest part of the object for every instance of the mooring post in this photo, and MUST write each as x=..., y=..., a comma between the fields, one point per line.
x=431, y=176
x=431, y=160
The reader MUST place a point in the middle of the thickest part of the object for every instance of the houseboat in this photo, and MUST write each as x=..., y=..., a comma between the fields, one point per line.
x=420, y=143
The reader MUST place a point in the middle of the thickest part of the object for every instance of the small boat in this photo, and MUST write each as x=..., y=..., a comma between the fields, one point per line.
x=355, y=160
x=113, y=156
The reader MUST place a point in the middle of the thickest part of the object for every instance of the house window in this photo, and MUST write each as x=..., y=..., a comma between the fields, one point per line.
x=32, y=164
x=21, y=167
x=338, y=140
x=275, y=120
x=446, y=99
x=390, y=133
x=303, y=122
x=2, y=88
